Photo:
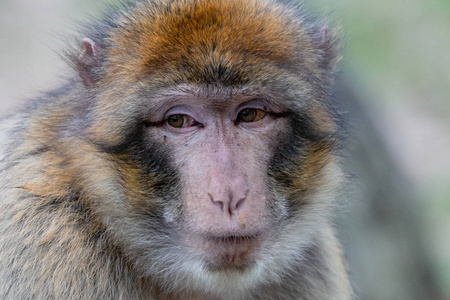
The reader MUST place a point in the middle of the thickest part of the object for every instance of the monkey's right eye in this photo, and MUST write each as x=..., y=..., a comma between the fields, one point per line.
x=181, y=121
x=176, y=121
x=250, y=115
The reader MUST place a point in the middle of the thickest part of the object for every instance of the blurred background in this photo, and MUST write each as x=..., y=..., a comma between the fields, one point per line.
x=395, y=88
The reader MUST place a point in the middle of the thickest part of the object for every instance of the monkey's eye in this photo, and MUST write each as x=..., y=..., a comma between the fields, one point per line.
x=250, y=115
x=181, y=120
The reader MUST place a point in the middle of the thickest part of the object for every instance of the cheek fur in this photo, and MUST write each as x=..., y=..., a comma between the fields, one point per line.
x=146, y=173
x=295, y=168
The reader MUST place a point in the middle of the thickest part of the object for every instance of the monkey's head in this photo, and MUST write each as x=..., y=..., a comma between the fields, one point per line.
x=219, y=138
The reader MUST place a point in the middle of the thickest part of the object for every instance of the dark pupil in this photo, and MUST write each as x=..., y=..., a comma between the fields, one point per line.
x=248, y=115
x=176, y=120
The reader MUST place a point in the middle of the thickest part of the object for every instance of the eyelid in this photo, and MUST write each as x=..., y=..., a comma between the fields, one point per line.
x=261, y=103
x=254, y=103
x=179, y=110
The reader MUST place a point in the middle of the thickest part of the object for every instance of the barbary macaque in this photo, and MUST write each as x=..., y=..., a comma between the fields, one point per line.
x=193, y=154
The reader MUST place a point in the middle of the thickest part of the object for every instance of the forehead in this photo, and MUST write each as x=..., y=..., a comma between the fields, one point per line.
x=215, y=98
x=207, y=41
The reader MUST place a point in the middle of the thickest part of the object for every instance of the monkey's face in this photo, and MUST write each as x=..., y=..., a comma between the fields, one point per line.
x=220, y=147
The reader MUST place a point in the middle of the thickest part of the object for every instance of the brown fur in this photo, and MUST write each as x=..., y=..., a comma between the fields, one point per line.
x=82, y=194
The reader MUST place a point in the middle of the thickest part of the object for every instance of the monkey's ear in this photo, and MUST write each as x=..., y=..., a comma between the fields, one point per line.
x=323, y=35
x=329, y=45
x=87, y=61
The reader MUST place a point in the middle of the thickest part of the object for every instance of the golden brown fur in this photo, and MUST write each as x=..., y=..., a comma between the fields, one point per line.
x=85, y=190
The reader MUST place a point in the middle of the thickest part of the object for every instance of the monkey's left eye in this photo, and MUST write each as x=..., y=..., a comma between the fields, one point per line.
x=250, y=115
x=181, y=120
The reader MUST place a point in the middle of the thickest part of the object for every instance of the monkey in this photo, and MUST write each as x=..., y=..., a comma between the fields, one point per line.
x=193, y=153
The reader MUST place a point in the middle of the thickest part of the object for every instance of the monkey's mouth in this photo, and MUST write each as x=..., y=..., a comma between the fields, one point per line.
x=230, y=251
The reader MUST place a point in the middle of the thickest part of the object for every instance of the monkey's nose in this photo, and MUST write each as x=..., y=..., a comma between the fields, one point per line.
x=228, y=203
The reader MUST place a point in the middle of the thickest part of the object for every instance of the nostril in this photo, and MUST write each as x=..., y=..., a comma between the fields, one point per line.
x=240, y=202
x=217, y=203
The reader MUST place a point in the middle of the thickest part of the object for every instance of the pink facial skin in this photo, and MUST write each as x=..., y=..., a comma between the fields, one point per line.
x=221, y=149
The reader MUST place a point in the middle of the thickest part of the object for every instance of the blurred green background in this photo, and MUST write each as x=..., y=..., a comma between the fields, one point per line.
x=396, y=225
x=397, y=56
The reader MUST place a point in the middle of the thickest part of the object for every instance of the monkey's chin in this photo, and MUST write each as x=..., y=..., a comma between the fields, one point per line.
x=230, y=253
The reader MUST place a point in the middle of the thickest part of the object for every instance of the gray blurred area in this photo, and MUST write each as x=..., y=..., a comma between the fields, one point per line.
x=33, y=34
x=395, y=221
